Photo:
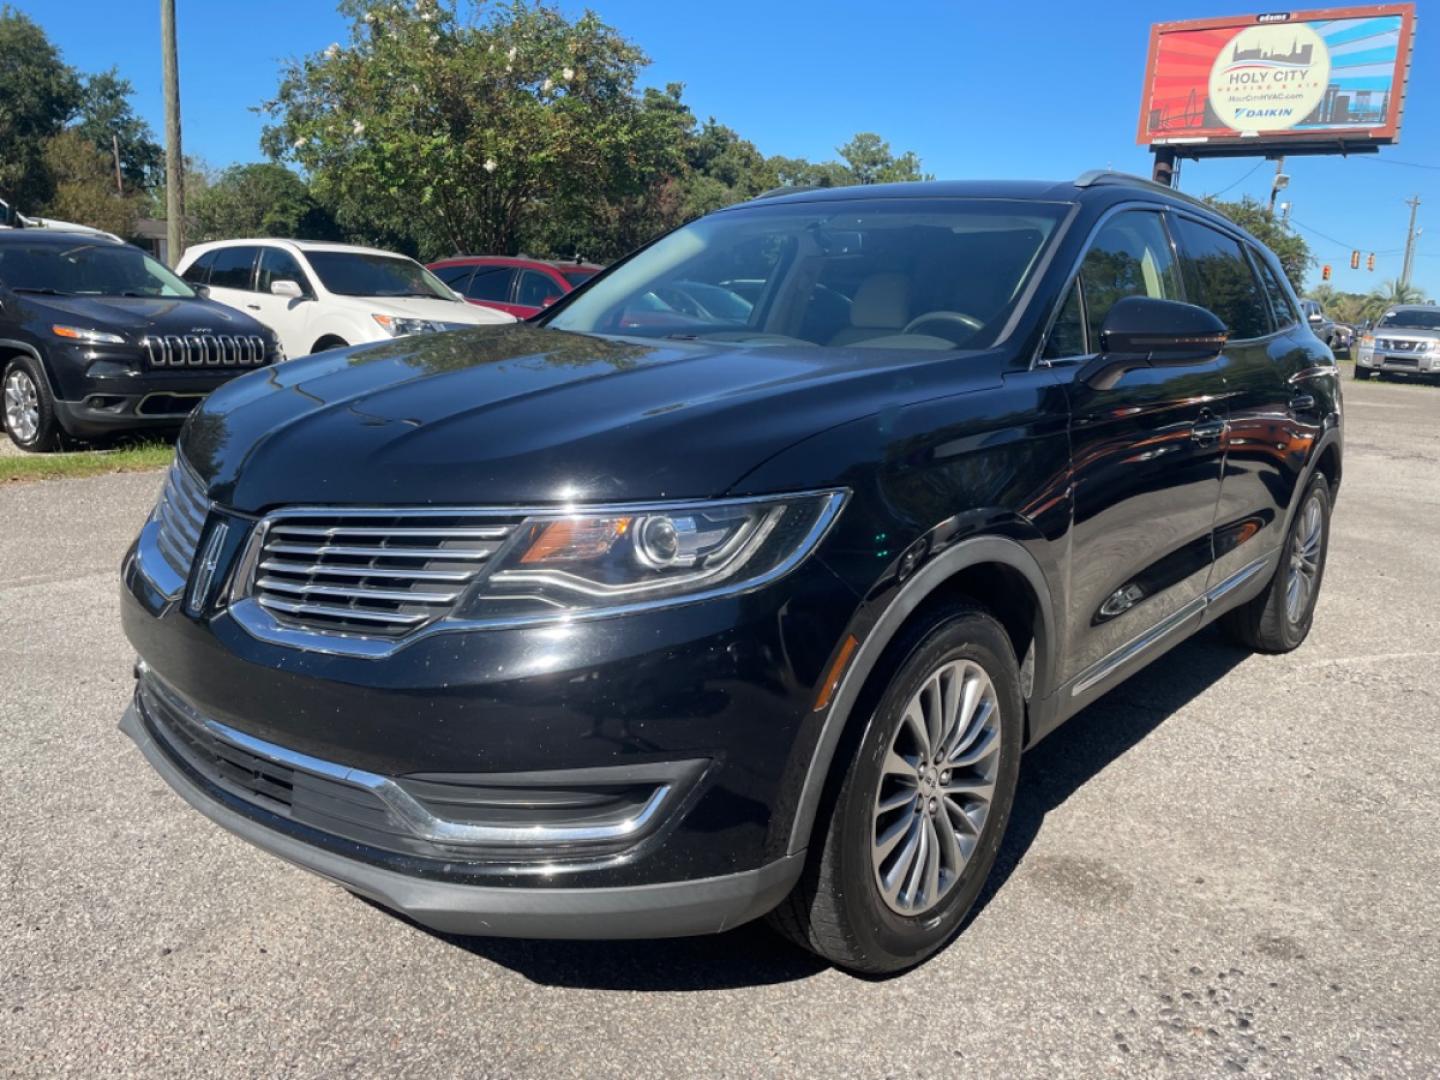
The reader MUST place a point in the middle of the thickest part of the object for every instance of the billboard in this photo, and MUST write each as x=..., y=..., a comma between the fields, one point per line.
x=1288, y=82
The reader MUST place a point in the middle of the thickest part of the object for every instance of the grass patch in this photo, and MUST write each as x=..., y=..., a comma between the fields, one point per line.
x=137, y=458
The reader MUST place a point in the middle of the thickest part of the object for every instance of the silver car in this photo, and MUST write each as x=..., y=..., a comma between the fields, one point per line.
x=1406, y=339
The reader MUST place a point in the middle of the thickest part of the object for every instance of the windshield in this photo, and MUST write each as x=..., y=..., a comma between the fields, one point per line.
x=577, y=278
x=933, y=274
x=350, y=273
x=87, y=269
x=1412, y=320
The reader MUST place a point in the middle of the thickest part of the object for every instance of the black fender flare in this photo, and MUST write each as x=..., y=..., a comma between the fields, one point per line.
x=10, y=344
x=934, y=574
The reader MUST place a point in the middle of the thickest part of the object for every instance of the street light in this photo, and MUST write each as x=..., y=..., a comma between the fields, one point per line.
x=1282, y=181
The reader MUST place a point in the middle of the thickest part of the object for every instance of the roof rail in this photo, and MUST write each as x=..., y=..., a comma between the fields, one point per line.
x=789, y=189
x=1097, y=177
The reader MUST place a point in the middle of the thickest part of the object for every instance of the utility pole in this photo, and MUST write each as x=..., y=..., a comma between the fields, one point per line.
x=115, y=148
x=1414, y=203
x=174, y=160
x=1280, y=181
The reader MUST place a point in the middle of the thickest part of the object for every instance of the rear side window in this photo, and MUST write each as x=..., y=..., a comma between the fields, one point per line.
x=491, y=283
x=536, y=288
x=1130, y=256
x=1280, y=308
x=198, y=272
x=1218, y=277
x=231, y=268
x=276, y=264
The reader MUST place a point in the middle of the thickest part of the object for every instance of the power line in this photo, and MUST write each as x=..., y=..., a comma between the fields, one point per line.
x=1340, y=243
x=1406, y=164
x=1242, y=179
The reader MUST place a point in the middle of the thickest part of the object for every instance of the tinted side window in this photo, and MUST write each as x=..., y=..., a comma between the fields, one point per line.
x=1280, y=307
x=536, y=288
x=491, y=283
x=1067, y=336
x=1130, y=256
x=454, y=276
x=277, y=264
x=198, y=272
x=1218, y=277
x=231, y=268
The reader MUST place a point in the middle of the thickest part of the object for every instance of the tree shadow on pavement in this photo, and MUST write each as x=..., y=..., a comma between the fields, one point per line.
x=752, y=955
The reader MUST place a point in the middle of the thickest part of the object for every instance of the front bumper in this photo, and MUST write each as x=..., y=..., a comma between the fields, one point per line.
x=1412, y=363
x=667, y=909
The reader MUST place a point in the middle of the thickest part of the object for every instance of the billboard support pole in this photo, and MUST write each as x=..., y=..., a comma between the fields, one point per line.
x=1164, y=166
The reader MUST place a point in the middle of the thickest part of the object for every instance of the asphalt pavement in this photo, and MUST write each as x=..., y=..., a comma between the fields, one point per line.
x=1229, y=865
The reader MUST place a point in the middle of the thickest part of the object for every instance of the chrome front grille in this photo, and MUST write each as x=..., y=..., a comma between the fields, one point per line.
x=371, y=572
x=1398, y=345
x=205, y=350
x=179, y=517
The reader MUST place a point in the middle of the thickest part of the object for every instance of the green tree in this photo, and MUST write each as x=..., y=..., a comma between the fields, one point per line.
x=470, y=131
x=870, y=161
x=38, y=94
x=1391, y=293
x=1289, y=247
x=260, y=199
x=105, y=113
x=83, y=186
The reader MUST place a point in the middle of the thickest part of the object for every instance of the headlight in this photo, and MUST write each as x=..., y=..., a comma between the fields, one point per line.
x=396, y=326
x=564, y=564
x=89, y=337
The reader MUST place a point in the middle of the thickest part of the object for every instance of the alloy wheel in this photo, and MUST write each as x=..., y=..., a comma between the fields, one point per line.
x=22, y=406
x=936, y=787
x=1304, y=561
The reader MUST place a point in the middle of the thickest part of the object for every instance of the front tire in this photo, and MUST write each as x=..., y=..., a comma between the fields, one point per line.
x=1279, y=619
x=1362, y=373
x=919, y=815
x=29, y=409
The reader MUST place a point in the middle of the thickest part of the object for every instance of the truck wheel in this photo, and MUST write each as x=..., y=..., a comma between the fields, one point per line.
x=917, y=822
x=29, y=408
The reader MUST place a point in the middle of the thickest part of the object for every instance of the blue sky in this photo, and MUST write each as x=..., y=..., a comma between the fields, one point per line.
x=1045, y=89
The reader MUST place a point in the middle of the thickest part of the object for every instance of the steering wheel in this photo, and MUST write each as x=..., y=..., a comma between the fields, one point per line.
x=968, y=321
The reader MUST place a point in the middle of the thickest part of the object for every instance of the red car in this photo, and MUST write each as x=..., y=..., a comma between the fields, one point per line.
x=521, y=286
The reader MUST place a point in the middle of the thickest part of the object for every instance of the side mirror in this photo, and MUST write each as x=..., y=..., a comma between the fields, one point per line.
x=548, y=301
x=286, y=288
x=1141, y=332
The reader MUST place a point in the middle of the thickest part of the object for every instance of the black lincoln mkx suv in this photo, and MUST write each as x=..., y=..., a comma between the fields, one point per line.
x=97, y=338
x=736, y=582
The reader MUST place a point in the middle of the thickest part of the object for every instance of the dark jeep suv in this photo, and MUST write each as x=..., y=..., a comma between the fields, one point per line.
x=637, y=622
x=97, y=337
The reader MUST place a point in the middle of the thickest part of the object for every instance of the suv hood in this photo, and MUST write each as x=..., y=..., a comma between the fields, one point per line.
x=139, y=315
x=525, y=415
x=419, y=307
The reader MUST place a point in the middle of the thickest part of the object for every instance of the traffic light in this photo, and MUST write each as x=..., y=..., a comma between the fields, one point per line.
x=1354, y=260
x=1325, y=272
x=1370, y=262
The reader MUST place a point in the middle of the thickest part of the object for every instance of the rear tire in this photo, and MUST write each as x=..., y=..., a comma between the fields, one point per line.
x=29, y=408
x=922, y=805
x=1279, y=619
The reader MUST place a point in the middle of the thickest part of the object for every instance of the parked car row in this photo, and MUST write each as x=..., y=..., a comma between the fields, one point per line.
x=97, y=338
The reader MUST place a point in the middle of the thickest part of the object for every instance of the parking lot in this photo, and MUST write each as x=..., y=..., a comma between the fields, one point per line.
x=1228, y=865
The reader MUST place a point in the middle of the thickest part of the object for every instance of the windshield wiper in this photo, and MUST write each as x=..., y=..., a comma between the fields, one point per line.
x=40, y=292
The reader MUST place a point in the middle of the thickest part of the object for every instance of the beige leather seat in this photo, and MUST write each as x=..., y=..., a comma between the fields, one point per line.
x=881, y=307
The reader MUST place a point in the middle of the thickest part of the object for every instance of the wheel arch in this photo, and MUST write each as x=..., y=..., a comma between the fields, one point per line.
x=994, y=571
x=10, y=348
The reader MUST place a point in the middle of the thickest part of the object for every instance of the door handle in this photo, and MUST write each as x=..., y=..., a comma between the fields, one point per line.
x=253, y=307
x=1208, y=428
x=1302, y=403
